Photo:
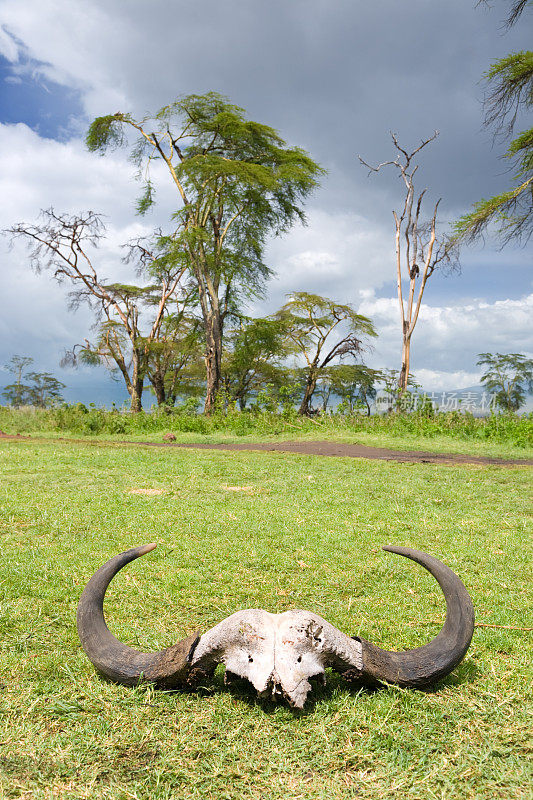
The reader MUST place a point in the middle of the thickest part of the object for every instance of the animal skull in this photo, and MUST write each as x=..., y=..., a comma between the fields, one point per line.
x=276, y=653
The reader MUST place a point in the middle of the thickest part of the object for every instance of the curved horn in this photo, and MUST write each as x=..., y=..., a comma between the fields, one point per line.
x=427, y=664
x=166, y=668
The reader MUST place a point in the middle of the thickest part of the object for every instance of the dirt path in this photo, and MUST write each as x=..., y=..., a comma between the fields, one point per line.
x=342, y=449
x=319, y=448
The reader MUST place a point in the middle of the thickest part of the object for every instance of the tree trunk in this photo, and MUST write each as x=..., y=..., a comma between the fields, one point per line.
x=406, y=357
x=158, y=382
x=135, y=388
x=213, y=361
x=310, y=386
x=172, y=388
x=136, y=395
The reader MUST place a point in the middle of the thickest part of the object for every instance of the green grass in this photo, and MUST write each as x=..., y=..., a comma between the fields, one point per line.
x=499, y=435
x=268, y=530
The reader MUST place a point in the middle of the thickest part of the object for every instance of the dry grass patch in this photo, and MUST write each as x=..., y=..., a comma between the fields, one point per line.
x=147, y=491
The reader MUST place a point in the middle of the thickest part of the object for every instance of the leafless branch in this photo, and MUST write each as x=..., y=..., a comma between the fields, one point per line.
x=62, y=243
x=349, y=346
x=516, y=10
x=378, y=166
x=418, y=250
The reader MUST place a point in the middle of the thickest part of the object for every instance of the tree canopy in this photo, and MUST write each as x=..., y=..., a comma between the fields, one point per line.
x=355, y=384
x=508, y=378
x=130, y=317
x=509, y=94
x=237, y=182
x=310, y=321
x=254, y=357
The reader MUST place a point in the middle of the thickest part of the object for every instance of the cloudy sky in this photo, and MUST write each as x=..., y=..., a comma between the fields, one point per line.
x=334, y=77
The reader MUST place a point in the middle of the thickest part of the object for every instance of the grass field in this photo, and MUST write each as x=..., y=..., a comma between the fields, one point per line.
x=503, y=435
x=267, y=530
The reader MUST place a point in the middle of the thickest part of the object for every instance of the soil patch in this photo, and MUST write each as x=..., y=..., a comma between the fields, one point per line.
x=344, y=450
x=318, y=448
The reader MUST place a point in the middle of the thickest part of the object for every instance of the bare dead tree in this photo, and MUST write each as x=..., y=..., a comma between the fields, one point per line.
x=63, y=244
x=418, y=248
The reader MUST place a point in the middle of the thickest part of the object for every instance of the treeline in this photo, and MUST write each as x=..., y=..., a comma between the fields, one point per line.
x=181, y=328
x=255, y=377
x=259, y=421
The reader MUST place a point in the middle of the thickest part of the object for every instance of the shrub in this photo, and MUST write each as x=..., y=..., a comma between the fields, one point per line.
x=260, y=421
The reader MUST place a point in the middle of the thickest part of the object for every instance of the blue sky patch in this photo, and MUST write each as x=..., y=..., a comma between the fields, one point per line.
x=47, y=107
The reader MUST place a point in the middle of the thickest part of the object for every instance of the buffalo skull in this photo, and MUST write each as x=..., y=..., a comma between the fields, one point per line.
x=276, y=653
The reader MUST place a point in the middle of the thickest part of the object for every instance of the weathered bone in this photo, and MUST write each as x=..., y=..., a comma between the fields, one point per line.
x=277, y=653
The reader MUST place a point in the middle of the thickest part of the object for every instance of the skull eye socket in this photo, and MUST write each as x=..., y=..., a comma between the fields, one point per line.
x=250, y=659
x=299, y=659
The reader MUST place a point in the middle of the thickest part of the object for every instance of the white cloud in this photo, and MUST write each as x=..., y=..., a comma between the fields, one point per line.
x=434, y=380
x=452, y=335
x=70, y=43
x=337, y=254
x=319, y=262
x=276, y=60
x=39, y=173
x=8, y=46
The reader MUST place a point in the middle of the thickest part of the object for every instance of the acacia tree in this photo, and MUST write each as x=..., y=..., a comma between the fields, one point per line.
x=173, y=354
x=237, y=182
x=509, y=377
x=509, y=93
x=45, y=390
x=40, y=389
x=395, y=399
x=324, y=387
x=253, y=359
x=355, y=384
x=310, y=321
x=18, y=393
x=418, y=250
x=65, y=244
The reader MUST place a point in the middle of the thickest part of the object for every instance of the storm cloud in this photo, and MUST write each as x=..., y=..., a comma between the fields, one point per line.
x=333, y=77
